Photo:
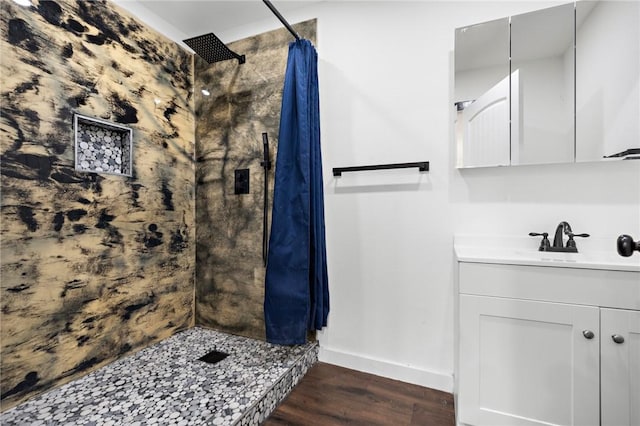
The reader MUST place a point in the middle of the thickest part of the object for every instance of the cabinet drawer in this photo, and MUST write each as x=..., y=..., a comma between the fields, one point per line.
x=595, y=287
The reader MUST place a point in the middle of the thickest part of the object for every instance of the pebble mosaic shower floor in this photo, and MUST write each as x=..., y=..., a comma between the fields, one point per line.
x=166, y=384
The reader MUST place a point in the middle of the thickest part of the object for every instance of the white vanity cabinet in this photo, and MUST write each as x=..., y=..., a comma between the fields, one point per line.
x=547, y=345
x=526, y=362
x=620, y=366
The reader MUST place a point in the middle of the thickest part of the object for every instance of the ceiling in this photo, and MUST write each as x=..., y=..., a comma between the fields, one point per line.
x=182, y=19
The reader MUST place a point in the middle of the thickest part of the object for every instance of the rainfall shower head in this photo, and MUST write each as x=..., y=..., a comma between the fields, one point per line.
x=212, y=49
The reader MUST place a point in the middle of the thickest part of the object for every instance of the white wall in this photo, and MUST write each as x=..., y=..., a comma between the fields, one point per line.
x=386, y=82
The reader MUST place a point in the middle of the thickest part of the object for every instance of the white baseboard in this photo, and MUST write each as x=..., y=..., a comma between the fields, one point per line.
x=391, y=370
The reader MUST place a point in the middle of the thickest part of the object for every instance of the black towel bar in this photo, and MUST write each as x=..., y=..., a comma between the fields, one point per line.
x=423, y=166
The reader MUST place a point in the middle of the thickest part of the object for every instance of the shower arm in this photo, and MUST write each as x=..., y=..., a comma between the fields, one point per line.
x=281, y=18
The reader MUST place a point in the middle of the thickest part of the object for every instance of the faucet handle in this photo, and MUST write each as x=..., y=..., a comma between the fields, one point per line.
x=571, y=235
x=544, y=244
x=571, y=243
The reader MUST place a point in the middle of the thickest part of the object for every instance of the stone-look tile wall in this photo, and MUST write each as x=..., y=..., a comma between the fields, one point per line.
x=244, y=102
x=93, y=266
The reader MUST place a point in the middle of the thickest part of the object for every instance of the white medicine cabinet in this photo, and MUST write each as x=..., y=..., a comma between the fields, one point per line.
x=557, y=85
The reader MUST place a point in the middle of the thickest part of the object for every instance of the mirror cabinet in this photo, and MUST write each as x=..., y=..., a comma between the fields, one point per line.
x=607, y=80
x=482, y=93
x=556, y=85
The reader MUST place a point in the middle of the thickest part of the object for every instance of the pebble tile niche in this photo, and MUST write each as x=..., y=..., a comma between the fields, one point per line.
x=102, y=147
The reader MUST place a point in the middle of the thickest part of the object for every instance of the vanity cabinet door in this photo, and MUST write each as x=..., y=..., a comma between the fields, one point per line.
x=620, y=367
x=528, y=363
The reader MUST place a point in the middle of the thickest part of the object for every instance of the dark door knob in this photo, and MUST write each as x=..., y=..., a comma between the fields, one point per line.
x=626, y=245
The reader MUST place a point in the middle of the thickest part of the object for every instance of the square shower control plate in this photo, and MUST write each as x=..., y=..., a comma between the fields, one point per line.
x=241, y=184
x=102, y=147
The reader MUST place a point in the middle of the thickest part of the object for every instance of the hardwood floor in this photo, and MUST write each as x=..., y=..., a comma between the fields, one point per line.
x=331, y=395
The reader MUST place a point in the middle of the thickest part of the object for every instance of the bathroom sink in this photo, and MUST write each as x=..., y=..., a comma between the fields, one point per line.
x=588, y=258
x=524, y=251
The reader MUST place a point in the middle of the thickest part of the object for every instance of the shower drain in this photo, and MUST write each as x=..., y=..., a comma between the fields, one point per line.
x=213, y=357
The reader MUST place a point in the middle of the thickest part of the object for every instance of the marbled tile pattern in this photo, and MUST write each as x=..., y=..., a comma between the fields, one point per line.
x=102, y=148
x=244, y=102
x=166, y=384
x=94, y=266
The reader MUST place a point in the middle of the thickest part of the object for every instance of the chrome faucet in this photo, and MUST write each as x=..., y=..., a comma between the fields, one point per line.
x=563, y=228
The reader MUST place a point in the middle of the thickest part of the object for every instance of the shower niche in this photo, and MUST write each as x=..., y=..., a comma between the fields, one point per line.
x=102, y=147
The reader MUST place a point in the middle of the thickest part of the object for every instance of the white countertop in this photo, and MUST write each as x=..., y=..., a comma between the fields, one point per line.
x=519, y=250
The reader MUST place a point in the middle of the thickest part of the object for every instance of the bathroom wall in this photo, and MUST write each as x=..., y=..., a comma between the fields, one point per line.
x=93, y=266
x=386, y=95
x=244, y=102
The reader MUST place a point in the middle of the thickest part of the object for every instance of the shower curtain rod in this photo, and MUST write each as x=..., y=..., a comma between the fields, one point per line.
x=281, y=18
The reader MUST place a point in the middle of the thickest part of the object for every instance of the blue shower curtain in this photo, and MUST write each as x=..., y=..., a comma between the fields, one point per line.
x=296, y=286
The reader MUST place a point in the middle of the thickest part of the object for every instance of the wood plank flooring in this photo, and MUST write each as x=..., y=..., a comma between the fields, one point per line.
x=330, y=395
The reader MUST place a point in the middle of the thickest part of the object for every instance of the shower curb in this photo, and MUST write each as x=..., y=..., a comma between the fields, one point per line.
x=259, y=410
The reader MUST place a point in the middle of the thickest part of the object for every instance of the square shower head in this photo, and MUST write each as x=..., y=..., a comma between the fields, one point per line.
x=212, y=49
